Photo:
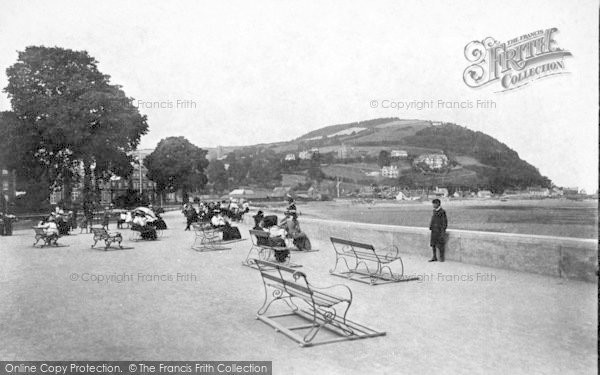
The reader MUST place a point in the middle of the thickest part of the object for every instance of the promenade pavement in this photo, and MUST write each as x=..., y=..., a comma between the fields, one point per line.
x=161, y=300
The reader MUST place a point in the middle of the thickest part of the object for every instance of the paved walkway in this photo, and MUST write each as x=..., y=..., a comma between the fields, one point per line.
x=458, y=319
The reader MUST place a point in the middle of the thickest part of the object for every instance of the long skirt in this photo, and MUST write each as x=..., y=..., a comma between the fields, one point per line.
x=231, y=233
x=302, y=242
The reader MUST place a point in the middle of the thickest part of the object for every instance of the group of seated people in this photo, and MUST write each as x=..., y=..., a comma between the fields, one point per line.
x=289, y=228
x=58, y=222
x=218, y=215
x=231, y=209
x=147, y=222
x=51, y=228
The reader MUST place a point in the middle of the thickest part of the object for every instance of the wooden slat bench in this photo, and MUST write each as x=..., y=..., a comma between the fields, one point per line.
x=376, y=263
x=261, y=249
x=209, y=238
x=47, y=240
x=101, y=234
x=319, y=308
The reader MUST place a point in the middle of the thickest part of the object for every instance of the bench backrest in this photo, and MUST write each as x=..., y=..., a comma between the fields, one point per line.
x=347, y=247
x=288, y=279
x=99, y=231
x=39, y=230
x=257, y=235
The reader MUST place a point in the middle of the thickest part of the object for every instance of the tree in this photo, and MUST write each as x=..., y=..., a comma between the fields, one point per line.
x=175, y=164
x=69, y=115
x=314, y=169
x=217, y=175
x=383, y=159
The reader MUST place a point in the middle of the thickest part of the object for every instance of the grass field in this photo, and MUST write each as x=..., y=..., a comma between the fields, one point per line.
x=562, y=218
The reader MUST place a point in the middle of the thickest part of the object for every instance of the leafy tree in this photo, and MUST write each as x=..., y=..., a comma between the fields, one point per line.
x=217, y=175
x=69, y=114
x=175, y=164
x=238, y=168
x=383, y=159
x=314, y=170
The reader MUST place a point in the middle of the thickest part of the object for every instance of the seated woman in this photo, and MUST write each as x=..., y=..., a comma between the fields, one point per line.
x=140, y=224
x=292, y=227
x=61, y=223
x=159, y=223
x=276, y=237
x=222, y=222
x=51, y=229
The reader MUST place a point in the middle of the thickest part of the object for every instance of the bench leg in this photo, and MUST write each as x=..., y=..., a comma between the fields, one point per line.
x=248, y=261
x=337, y=260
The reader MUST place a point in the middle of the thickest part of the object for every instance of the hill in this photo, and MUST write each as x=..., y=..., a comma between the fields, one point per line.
x=350, y=151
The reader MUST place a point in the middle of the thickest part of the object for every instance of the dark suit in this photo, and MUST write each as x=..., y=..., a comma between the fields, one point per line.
x=437, y=226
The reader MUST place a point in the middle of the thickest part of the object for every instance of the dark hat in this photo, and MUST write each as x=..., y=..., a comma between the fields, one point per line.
x=258, y=214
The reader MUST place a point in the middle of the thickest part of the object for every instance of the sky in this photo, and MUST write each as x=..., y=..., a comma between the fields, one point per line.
x=241, y=73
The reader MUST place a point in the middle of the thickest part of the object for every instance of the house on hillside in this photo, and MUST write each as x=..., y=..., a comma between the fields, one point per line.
x=290, y=157
x=390, y=171
x=399, y=154
x=484, y=194
x=308, y=154
x=538, y=192
x=433, y=161
x=441, y=192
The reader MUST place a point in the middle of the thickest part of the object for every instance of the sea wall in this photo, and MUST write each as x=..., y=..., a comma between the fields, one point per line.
x=569, y=258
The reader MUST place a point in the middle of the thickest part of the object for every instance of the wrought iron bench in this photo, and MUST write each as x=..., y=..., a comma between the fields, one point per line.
x=47, y=239
x=376, y=263
x=101, y=234
x=261, y=249
x=207, y=237
x=318, y=308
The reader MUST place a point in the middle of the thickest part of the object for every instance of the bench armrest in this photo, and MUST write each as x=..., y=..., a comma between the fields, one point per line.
x=390, y=253
x=341, y=291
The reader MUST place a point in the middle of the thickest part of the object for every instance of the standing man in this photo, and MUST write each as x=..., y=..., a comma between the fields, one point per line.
x=437, y=226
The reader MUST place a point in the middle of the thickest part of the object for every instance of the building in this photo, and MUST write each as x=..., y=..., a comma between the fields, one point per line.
x=390, y=171
x=484, y=194
x=399, y=154
x=345, y=152
x=116, y=186
x=290, y=157
x=433, y=161
x=308, y=154
x=538, y=192
x=441, y=192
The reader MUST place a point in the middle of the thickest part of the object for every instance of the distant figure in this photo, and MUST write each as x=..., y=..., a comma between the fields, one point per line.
x=437, y=226
x=105, y=218
x=292, y=227
x=121, y=219
x=291, y=204
x=258, y=218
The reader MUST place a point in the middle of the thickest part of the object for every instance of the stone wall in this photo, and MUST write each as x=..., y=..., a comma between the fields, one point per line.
x=570, y=258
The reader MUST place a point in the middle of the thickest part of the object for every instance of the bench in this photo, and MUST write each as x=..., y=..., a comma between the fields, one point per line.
x=376, y=262
x=207, y=238
x=261, y=249
x=101, y=234
x=47, y=239
x=318, y=308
